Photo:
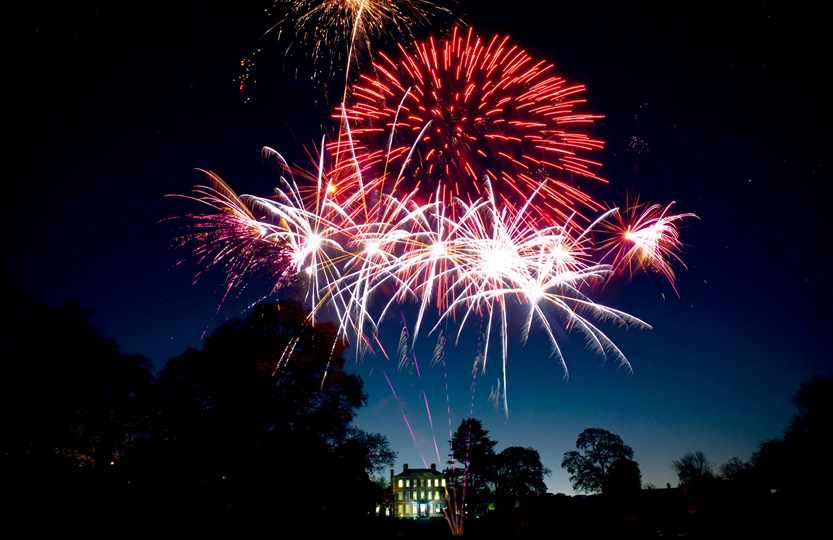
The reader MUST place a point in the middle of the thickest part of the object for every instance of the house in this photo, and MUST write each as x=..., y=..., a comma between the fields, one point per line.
x=418, y=493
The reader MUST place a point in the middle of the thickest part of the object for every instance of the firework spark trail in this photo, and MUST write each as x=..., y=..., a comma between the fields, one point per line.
x=447, y=397
x=453, y=516
x=456, y=515
x=413, y=438
x=439, y=350
x=416, y=363
x=390, y=385
x=455, y=511
x=495, y=393
x=285, y=355
x=431, y=425
x=329, y=362
x=402, y=349
x=405, y=418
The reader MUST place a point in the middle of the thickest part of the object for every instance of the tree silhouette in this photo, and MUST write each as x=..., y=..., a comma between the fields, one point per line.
x=589, y=465
x=372, y=449
x=266, y=405
x=793, y=464
x=623, y=479
x=73, y=397
x=254, y=427
x=735, y=470
x=519, y=474
x=475, y=450
x=72, y=408
x=693, y=468
x=807, y=437
x=814, y=401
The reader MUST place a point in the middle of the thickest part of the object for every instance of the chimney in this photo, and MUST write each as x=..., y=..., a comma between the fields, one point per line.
x=404, y=467
x=434, y=467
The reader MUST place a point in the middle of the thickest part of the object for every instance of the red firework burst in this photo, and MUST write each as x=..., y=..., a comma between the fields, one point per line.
x=476, y=110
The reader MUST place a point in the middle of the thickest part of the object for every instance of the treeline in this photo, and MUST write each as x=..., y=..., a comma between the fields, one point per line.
x=784, y=485
x=793, y=466
x=255, y=428
x=783, y=490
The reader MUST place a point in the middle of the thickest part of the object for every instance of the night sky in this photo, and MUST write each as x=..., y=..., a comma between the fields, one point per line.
x=721, y=111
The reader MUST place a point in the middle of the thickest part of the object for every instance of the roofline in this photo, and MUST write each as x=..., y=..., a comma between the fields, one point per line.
x=409, y=471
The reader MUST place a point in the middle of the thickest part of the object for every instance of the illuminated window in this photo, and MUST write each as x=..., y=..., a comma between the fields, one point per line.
x=401, y=509
x=399, y=495
x=443, y=482
x=436, y=495
x=407, y=483
x=400, y=483
x=421, y=494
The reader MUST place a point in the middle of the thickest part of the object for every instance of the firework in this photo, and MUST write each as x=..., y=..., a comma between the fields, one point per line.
x=333, y=30
x=478, y=264
x=645, y=237
x=502, y=254
x=230, y=237
x=293, y=234
x=245, y=80
x=449, y=187
x=482, y=110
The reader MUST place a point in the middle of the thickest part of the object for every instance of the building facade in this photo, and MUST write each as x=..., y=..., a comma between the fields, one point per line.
x=418, y=493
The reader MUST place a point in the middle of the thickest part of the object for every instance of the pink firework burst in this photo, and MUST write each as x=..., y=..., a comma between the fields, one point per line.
x=645, y=237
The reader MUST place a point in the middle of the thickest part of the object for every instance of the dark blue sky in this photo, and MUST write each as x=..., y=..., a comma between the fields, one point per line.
x=120, y=103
